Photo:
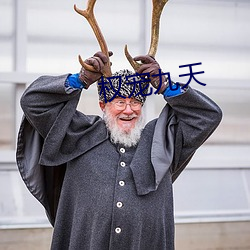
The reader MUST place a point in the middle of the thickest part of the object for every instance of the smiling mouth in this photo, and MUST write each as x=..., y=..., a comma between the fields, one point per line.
x=126, y=118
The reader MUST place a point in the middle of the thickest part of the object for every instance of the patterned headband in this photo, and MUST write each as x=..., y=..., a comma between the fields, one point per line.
x=123, y=83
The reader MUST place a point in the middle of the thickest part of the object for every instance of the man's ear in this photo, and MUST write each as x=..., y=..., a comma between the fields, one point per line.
x=102, y=105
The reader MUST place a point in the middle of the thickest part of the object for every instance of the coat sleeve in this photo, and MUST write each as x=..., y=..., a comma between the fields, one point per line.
x=44, y=99
x=197, y=117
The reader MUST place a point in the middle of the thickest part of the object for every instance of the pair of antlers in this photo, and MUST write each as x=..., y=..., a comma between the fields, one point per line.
x=158, y=6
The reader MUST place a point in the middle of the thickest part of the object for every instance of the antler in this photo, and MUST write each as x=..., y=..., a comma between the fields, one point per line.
x=158, y=6
x=89, y=15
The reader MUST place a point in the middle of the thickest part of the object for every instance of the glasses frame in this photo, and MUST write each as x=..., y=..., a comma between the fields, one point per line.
x=131, y=103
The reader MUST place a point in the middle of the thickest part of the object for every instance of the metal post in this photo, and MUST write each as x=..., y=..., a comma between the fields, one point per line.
x=20, y=53
x=143, y=28
x=20, y=41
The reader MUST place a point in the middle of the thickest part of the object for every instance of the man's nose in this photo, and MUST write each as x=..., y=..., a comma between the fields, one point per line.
x=128, y=110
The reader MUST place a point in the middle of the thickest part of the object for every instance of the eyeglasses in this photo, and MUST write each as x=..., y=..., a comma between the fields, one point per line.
x=121, y=105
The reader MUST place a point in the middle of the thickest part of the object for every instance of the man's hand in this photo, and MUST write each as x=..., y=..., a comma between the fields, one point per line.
x=151, y=66
x=97, y=61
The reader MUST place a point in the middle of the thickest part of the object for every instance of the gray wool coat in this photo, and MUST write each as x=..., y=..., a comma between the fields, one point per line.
x=99, y=195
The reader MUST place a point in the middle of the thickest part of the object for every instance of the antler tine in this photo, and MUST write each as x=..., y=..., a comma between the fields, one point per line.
x=135, y=65
x=158, y=6
x=89, y=15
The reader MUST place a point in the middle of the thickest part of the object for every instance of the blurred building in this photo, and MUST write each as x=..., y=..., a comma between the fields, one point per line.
x=212, y=196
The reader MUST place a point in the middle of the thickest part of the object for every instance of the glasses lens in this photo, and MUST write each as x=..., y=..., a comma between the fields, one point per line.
x=135, y=105
x=120, y=105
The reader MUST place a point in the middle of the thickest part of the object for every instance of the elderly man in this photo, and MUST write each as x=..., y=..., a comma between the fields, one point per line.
x=107, y=183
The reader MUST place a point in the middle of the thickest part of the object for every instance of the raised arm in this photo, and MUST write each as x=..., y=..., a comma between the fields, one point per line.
x=48, y=96
x=44, y=99
x=197, y=117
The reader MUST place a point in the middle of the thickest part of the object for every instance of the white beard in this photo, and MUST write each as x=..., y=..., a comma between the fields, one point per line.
x=127, y=139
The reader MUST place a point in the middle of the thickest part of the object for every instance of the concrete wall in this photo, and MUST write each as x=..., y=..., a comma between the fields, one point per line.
x=25, y=239
x=189, y=236
x=213, y=236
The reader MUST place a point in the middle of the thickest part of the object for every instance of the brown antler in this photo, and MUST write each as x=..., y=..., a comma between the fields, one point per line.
x=89, y=15
x=158, y=6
